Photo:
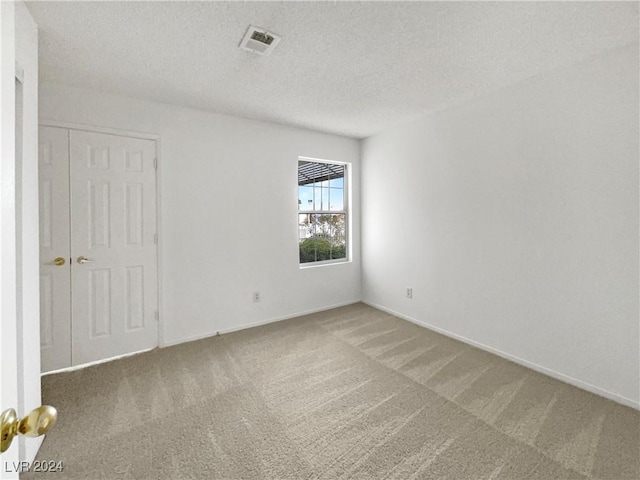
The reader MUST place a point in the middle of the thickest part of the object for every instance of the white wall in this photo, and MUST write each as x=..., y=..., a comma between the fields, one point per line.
x=515, y=220
x=229, y=203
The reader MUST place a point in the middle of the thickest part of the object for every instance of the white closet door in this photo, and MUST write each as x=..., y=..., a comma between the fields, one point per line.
x=113, y=218
x=55, y=279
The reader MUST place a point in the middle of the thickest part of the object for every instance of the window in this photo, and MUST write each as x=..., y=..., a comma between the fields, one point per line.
x=322, y=211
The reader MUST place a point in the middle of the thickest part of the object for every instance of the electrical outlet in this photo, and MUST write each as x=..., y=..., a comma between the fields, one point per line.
x=409, y=292
x=256, y=296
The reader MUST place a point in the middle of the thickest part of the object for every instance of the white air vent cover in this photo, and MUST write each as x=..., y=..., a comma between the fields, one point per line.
x=260, y=41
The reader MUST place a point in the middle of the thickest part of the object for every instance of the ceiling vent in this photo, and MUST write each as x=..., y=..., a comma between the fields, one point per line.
x=260, y=41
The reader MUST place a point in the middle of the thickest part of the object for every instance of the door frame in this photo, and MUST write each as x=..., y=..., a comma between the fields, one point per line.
x=19, y=337
x=9, y=361
x=158, y=141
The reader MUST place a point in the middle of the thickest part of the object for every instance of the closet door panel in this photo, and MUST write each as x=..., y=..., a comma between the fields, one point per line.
x=55, y=266
x=113, y=218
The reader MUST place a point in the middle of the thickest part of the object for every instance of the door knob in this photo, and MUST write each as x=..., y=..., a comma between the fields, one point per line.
x=37, y=422
x=58, y=261
x=83, y=259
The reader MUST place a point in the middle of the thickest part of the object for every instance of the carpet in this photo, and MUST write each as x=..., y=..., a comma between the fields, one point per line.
x=349, y=393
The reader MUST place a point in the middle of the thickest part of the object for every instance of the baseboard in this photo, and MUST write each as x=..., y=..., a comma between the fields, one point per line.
x=525, y=363
x=205, y=335
x=97, y=362
x=258, y=324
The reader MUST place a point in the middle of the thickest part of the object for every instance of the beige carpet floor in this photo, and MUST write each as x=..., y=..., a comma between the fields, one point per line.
x=347, y=393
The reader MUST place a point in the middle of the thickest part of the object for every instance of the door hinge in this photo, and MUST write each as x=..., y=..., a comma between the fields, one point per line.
x=155, y=163
x=155, y=238
x=157, y=315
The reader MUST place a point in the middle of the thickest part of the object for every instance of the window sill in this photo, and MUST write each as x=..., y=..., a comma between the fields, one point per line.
x=326, y=263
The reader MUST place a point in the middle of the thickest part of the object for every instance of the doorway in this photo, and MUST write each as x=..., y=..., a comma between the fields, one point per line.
x=98, y=246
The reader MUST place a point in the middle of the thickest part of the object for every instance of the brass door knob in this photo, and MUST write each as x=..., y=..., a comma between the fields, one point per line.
x=37, y=422
x=58, y=261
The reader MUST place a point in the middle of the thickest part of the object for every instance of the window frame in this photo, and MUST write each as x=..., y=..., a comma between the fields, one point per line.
x=346, y=210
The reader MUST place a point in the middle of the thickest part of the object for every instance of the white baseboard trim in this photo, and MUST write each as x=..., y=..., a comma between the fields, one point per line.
x=257, y=324
x=204, y=335
x=525, y=363
x=97, y=362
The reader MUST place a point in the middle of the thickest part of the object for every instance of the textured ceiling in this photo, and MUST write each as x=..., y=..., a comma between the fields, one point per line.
x=350, y=68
